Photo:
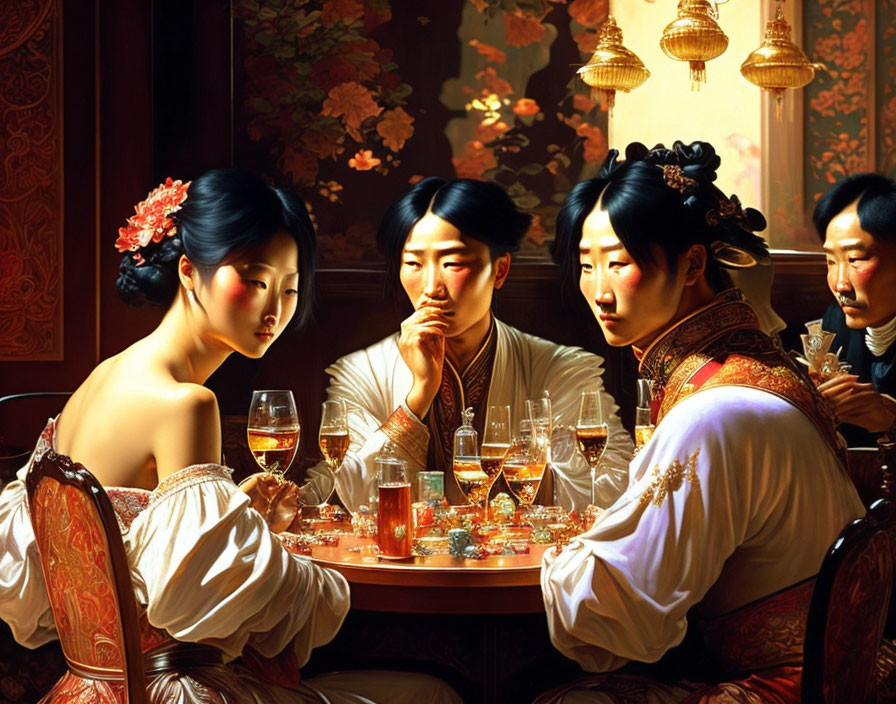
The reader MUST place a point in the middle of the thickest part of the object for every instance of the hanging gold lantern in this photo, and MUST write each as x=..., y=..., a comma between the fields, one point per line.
x=694, y=36
x=612, y=67
x=778, y=64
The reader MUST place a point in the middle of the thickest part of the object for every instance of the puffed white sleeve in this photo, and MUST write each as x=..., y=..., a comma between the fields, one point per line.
x=23, y=593
x=572, y=371
x=209, y=570
x=372, y=423
x=621, y=591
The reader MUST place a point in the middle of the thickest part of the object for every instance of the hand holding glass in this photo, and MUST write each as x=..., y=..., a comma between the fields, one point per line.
x=591, y=432
x=273, y=430
x=333, y=437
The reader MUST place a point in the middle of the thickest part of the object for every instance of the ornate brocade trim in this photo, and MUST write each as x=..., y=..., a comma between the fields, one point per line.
x=187, y=477
x=765, y=633
x=726, y=332
x=127, y=504
x=679, y=386
x=665, y=482
x=407, y=432
x=728, y=312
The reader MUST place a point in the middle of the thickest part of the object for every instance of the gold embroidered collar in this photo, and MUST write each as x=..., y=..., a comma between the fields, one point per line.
x=728, y=311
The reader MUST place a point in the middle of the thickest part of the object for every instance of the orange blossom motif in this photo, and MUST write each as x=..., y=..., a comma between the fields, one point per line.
x=395, y=128
x=364, y=160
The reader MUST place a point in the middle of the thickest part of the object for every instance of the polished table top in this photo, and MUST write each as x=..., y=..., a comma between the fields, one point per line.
x=445, y=584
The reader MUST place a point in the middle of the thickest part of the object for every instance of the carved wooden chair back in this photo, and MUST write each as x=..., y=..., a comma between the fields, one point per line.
x=87, y=575
x=849, y=609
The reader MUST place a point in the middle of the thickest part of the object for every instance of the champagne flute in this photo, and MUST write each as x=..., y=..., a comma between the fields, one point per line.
x=542, y=425
x=273, y=430
x=643, y=424
x=591, y=432
x=539, y=412
x=333, y=437
x=495, y=442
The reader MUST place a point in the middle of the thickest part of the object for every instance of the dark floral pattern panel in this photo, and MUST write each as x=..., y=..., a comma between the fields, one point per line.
x=354, y=101
x=850, y=108
x=30, y=181
x=886, y=86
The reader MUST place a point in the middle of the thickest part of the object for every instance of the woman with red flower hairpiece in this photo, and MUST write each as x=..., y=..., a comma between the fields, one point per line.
x=232, y=259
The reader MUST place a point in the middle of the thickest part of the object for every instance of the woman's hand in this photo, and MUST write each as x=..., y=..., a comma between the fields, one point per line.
x=422, y=347
x=859, y=404
x=277, y=501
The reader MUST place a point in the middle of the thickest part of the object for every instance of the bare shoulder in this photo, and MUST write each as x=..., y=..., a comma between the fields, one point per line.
x=189, y=431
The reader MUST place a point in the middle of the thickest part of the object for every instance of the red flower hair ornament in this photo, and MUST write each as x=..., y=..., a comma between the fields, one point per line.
x=151, y=221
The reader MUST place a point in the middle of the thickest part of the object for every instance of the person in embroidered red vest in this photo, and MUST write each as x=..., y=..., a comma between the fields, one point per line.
x=740, y=491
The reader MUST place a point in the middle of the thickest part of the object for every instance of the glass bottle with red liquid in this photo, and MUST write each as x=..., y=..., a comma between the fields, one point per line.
x=394, y=526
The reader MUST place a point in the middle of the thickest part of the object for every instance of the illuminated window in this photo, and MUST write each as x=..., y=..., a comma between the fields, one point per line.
x=762, y=158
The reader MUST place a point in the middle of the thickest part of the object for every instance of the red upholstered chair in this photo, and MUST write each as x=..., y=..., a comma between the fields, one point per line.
x=88, y=580
x=849, y=607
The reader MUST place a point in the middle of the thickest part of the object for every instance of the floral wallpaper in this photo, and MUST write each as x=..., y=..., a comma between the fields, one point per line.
x=353, y=101
x=851, y=108
x=886, y=86
x=30, y=180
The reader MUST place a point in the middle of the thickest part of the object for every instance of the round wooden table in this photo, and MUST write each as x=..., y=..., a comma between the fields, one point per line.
x=442, y=584
x=478, y=624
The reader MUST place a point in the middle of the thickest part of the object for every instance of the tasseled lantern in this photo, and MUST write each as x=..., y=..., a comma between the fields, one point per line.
x=612, y=67
x=694, y=36
x=778, y=64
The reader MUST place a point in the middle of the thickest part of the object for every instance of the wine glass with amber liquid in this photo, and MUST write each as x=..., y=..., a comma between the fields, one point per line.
x=525, y=462
x=273, y=431
x=643, y=424
x=333, y=437
x=592, y=433
x=495, y=442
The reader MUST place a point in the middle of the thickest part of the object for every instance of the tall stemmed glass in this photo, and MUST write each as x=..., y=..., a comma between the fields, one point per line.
x=525, y=462
x=273, y=430
x=539, y=412
x=333, y=437
x=591, y=433
x=495, y=442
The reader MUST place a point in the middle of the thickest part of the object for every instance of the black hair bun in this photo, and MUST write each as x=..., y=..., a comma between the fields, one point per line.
x=755, y=220
x=611, y=162
x=154, y=281
x=697, y=160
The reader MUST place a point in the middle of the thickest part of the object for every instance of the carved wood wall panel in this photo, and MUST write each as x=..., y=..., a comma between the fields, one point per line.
x=30, y=180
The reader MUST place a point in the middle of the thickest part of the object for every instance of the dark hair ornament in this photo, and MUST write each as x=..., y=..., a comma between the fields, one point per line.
x=674, y=177
x=690, y=169
x=729, y=209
